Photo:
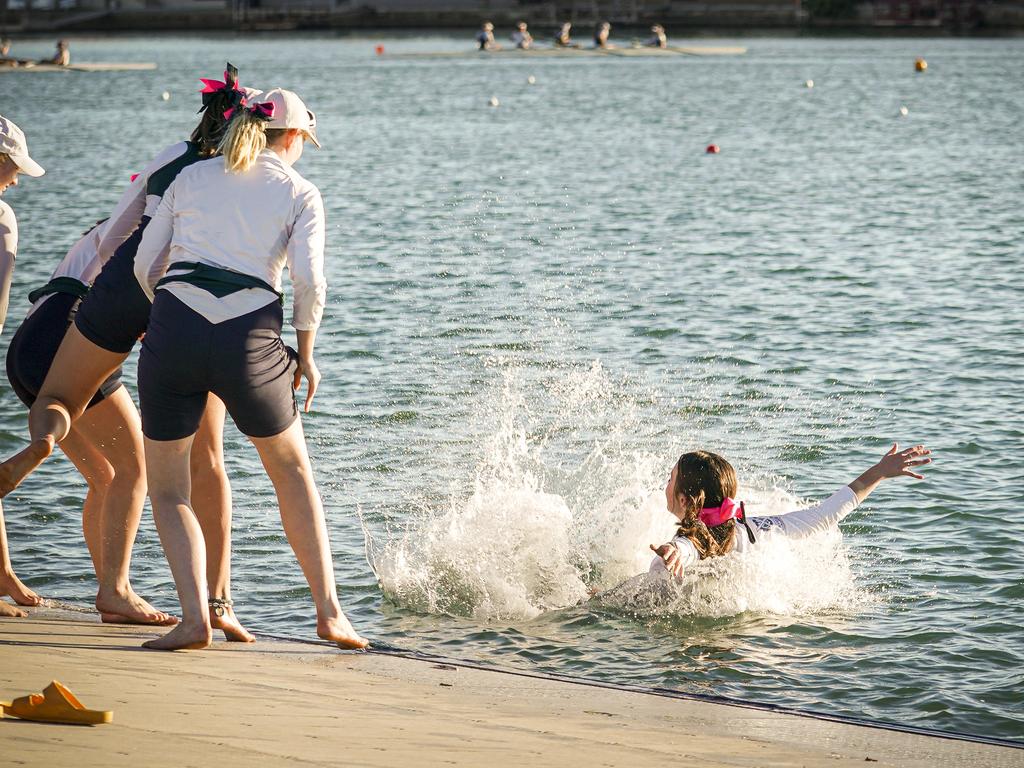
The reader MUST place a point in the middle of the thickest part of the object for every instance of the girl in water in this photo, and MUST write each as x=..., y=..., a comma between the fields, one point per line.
x=111, y=318
x=211, y=260
x=701, y=495
x=14, y=160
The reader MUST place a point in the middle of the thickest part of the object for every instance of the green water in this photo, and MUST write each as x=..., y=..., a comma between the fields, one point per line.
x=534, y=308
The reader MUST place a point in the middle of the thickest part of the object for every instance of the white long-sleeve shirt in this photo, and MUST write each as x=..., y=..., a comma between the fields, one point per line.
x=81, y=263
x=254, y=223
x=803, y=522
x=134, y=203
x=8, y=253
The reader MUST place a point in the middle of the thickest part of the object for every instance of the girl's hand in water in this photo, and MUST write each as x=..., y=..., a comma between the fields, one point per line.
x=670, y=555
x=898, y=463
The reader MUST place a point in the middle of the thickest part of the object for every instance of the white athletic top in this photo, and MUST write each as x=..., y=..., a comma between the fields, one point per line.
x=803, y=522
x=82, y=262
x=134, y=204
x=8, y=252
x=254, y=223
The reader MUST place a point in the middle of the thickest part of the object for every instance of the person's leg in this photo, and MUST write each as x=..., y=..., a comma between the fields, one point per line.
x=111, y=431
x=286, y=460
x=98, y=475
x=78, y=370
x=211, y=502
x=167, y=467
x=10, y=584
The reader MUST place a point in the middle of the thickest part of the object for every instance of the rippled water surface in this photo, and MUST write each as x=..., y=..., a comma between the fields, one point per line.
x=534, y=308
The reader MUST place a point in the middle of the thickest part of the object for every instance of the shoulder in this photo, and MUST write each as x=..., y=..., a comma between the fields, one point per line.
x=304, y=191
x=7, y=218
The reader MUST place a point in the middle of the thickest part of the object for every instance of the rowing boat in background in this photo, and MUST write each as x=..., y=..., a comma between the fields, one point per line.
x=720, y=50
x=109, y=66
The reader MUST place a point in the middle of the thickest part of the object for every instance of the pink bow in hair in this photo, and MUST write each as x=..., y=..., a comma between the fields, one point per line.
x=264, y=109
x=212, y=86
x=715, y=516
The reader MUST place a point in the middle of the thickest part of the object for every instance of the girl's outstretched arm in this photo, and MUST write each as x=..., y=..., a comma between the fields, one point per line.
x=895, y=463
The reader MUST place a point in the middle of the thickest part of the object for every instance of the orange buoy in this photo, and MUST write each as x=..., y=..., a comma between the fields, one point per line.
x=379, y=49
x=920, y=65
x=713, y=149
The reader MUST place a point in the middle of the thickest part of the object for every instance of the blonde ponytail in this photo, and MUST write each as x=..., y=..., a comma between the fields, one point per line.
x=245, y=138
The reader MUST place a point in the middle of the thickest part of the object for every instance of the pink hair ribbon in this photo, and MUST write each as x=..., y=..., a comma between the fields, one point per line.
x=212, y=86
x=262, y=109
x=715, y=516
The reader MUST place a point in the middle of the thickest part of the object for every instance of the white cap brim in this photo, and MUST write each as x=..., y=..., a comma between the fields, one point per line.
x=27, y=165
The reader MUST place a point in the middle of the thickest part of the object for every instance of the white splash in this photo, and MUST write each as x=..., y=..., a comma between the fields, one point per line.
x=563, y=502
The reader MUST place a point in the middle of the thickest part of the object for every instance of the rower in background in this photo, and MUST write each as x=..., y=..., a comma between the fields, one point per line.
x=522, y=37
x=563, y=38
x=62, y=57
x=604, y=29
x=485, y=38
x=659, y=39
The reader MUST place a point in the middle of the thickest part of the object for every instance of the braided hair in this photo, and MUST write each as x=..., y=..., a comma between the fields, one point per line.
x=705, y=479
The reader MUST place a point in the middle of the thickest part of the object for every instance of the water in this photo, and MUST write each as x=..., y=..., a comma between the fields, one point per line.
x=536, y=307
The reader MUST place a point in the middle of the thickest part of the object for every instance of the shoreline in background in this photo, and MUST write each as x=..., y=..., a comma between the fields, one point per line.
x=883, y=18
x=306, y=703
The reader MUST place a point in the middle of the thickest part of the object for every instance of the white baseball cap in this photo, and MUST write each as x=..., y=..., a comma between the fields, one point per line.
x=289, y=112
x=13, y=144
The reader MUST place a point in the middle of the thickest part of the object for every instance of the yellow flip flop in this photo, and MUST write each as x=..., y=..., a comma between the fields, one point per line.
x=56, y=704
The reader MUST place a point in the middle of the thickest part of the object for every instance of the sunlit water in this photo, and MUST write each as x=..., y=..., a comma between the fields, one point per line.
x=534, y=308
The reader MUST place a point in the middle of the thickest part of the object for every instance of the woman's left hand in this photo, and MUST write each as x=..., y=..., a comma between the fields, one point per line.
x=670, y=555
x=897, y=463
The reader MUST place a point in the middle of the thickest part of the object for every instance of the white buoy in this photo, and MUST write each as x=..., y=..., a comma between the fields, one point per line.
x=809, y=83
x=494, y=101
x=166, y=96
x=531, y=79
x=904, y=111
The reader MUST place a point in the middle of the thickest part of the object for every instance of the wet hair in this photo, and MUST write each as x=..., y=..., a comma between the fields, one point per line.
x=705, y=479
x=246, y=136
x=210, y=131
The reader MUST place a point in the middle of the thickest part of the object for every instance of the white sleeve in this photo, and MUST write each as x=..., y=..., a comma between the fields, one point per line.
x=154, y=254
x=306, y=262
x=128, y=212
x=688, y=555
x=8, y=252
x=827, y=514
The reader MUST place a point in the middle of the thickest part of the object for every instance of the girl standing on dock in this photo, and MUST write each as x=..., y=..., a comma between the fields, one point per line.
x=211, y=260
x=105, y=444
x=109, y=321
x=14, y=160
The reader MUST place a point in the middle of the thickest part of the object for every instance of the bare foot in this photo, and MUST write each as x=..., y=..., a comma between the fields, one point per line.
x=184, y=637
x=11, y=585
x=340, y=631
x=229, y=624
x=129, y=608
x=21, y=465
x=10, y=611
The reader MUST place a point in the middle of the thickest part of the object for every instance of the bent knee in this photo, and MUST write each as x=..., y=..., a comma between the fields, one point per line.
x=168, y=500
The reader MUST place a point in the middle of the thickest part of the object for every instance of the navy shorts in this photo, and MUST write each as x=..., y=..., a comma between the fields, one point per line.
x=115, y=312
x=243, y=361
x=35, y=344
